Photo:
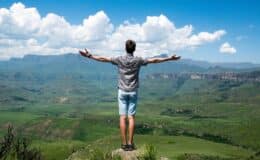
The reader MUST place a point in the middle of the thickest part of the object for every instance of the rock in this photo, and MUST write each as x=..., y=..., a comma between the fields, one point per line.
x=126, y=155
x=164, y=158
x=141, y=153
x=130, y=155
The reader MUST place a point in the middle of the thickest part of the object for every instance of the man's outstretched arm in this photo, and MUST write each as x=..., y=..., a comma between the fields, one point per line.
x=97, y=58
x=159, y=60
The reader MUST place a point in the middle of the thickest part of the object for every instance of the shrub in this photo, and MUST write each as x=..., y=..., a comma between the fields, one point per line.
x=149, y=153
x=17, y=148
x=143, y=128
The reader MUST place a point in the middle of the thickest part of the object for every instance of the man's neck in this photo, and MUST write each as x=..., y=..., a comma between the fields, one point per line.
x=130, y=54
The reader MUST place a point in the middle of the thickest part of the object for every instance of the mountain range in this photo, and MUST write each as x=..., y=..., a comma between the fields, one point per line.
x=74, y=63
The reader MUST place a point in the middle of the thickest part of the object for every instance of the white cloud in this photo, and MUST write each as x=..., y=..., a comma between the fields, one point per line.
x=204, y=37
x=95, y=27
x=227, y=48
x=24, y=31
x=18, y=21
x=157, y=28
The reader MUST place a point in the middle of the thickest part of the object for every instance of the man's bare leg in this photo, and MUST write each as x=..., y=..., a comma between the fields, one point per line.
x=123, y=128
x=131, y=127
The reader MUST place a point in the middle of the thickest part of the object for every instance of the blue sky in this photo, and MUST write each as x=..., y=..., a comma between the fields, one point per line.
x=238, y=18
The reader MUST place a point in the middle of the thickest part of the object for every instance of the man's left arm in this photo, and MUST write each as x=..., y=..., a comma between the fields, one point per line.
x=159, y=60
x=97, y=58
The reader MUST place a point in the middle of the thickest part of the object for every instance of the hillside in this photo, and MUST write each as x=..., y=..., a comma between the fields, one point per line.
x=66, y=104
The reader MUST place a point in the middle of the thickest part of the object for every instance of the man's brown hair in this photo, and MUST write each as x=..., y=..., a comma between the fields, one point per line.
x=130, y=46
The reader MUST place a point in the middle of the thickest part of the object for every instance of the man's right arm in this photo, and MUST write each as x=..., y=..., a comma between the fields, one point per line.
x=159, y=60
x=97, y=58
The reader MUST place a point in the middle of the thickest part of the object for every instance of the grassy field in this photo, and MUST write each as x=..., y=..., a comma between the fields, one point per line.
x=173, y=147
x=213, y=118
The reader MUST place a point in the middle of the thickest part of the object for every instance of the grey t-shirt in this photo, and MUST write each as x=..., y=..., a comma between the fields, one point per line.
x=128, y=69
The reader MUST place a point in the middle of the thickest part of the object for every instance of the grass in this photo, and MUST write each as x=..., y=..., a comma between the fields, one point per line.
x=16, y=117
x=175, y=146
x=149, y=153
x=58, y=149
x=90, y=115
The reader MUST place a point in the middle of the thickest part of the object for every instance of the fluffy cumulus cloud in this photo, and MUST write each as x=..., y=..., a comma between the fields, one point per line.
x=24, y=31
x=227, y=48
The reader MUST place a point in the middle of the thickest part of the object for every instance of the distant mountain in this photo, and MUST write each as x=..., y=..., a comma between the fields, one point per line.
x=163, y=55
x=205, y=64
x=74, y=63
x=237, y=65
x=53, y=63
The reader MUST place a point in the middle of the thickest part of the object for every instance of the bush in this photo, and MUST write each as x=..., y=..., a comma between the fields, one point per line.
x=149, y=153
x=17, y=148
x=143, y=128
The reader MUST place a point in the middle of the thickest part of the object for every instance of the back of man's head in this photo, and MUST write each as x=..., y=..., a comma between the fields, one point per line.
x=130, y=46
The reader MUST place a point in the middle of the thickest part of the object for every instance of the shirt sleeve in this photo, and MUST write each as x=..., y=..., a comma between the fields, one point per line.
x=115, y=60
x=143, y=61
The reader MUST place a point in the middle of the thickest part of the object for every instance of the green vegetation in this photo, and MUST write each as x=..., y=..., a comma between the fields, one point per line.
x=14, y=147
x=149, y=153
x=171, y=147
x=65, y=110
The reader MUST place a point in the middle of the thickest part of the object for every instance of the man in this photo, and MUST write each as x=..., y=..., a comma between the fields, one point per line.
x=128, y=70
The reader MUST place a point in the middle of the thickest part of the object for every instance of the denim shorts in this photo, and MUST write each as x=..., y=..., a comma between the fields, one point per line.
x=127, y=102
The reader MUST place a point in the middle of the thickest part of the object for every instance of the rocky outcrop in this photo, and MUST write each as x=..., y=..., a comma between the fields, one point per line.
x=131, y=155
x=127, y=155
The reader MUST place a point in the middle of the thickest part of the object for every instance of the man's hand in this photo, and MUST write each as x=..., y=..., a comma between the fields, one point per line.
x=174, y=57
x=95, y=57
x=85, y=54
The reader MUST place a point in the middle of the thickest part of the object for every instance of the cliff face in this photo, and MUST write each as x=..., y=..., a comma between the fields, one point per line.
x=253, y=76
